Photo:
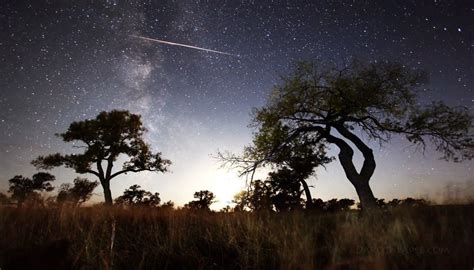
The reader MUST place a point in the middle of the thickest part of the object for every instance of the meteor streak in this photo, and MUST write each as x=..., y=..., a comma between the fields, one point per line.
x=181, y=45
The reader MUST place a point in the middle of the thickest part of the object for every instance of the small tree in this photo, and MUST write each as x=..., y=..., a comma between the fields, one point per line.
x=335, y=205
x=285, y=190
x=77, y=194
x=134, y=196
x=241, y=201
x=394, y=203
x=295, y=163
x=104, y=139
x=410, y=202
x=316, y=205
x=169, y=205
x=204, y=200
x=258, y=198
x=23, y=188
x=322, y=106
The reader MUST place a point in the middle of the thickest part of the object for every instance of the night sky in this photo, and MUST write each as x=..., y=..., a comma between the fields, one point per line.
x=61, y=62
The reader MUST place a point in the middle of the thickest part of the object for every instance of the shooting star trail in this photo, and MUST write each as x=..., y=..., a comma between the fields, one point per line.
x=182, y=45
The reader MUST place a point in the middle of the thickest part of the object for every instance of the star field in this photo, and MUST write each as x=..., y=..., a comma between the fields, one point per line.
x=66, y=61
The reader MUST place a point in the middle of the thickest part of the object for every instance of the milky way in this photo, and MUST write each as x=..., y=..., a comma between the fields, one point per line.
x=62, y=62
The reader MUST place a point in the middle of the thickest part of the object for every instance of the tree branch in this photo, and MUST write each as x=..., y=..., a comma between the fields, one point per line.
x=368, y=167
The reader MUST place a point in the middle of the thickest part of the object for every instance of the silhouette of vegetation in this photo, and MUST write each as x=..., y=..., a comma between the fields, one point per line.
x=241, y=201
x=204, y=200
x=335, y=205
x=294, y=164
x=285, y=190
x=318, y=205
x=284, y=187
x=104, y=139
x=134, y=196
x=4, y=200
x=169, y=205
x=77, y=194
x=318, y=106
x=429, y=237
x=408, y=202
x=273, y=195
x=258, y=198
x=26, y=189
x=226, y=209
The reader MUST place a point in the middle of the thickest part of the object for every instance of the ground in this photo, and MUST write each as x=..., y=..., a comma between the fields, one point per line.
x=432, y=237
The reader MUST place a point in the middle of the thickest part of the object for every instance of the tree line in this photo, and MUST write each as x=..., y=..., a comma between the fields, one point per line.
x=314, y=107
x=262, y=196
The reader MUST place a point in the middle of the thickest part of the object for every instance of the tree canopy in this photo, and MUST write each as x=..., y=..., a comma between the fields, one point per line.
x=103, y=140
x=24, y=188
x=77, y=194
x=204, y=199
x=319, y=105
x=134, y=196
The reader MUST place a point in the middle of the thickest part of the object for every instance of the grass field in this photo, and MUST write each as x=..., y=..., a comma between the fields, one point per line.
x=433, y=237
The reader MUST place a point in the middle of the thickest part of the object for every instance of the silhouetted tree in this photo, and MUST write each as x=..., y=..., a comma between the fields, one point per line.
x=296, y=162
x=260, y=196
x=134, y=196
x=394, y=203
x=169, y=205
x=285, y=190
x=267, y=196
x=317, y=204
x=326, y=106
x=411, y=202
x=204, y=199
x=408, y=202
x=345, y=204
x=241, y=201
x=381, y=203
x=23, y=188
x=335, y=205
x=104, y=139
x=226, y=209
x=77, y=194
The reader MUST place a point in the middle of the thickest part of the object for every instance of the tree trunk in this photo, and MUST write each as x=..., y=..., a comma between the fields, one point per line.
x=366, y=197
x=107, y=192
x=360, y=180
x=307, y=192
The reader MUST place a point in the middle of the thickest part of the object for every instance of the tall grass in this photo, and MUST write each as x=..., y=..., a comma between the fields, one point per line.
x=435, y=237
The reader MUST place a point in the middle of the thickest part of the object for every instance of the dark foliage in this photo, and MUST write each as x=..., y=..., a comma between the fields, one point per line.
x=335, y=205
x=77, y=194
x=281, y=195
x=23, y=188
x=408, y=202
x=317, y=106
x=204, y=200
x=4, y=199
x=104, y=139
x=134, y=196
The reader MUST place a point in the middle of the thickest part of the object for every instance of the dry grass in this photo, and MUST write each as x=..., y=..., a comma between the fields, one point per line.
x=436, y=237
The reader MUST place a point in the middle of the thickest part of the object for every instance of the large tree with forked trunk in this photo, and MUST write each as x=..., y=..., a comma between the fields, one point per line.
x=318, y=106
